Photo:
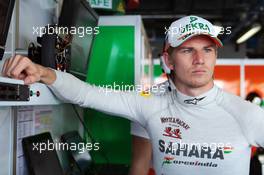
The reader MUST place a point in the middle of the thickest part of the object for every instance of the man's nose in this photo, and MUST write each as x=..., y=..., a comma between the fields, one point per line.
x=198, y=58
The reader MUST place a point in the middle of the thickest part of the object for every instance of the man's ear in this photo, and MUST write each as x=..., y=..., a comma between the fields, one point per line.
x=168, y=61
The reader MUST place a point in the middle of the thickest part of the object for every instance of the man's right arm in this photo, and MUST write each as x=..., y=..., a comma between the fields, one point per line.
x=23, y=68
x=69, y=88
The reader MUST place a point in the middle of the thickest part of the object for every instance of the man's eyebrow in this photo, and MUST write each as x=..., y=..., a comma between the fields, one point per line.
x=184, y=47
x=205, y=47
x=211, y=45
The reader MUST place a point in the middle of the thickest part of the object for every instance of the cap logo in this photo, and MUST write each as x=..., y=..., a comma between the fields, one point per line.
x=192, y=18
x=187, y=27
x=193, y=28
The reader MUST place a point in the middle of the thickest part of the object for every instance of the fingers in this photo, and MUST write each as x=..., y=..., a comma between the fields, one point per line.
x=24, y=64
x=4, y=66
x=22, y=68
x=14, y=66
x=8, y=65
x=22, y=76
x=31, y=79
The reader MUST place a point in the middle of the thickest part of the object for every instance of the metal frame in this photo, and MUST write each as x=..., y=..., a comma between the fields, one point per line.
x=232, y=61
x=241, y=63
x=235, y=62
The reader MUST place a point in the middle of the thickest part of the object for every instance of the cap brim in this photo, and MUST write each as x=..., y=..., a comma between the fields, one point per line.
x=213, y=38
x=216, y=40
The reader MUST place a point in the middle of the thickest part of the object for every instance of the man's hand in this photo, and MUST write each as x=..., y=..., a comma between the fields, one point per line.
x=23, y=68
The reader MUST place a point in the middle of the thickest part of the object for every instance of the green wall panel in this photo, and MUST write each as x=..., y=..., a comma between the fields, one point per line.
x=157, y=71
x=111, y=60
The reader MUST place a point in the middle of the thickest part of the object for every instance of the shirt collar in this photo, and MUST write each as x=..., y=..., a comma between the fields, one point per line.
x=171, y=84
x=203, y=99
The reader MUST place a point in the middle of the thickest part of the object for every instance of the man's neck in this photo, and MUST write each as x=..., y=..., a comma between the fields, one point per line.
x=193, y=91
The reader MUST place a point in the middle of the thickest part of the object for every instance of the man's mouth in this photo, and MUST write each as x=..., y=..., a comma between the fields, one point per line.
x=199, y=71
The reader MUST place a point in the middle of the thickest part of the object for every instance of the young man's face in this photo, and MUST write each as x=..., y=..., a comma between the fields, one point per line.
x=193, y=62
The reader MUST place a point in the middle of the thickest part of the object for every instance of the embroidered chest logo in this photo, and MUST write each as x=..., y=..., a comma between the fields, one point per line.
x=193, y=101
x=174, y=133
x=173, y=127
x=175, y=121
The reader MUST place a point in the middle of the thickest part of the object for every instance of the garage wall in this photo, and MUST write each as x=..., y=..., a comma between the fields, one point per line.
x=28, y=14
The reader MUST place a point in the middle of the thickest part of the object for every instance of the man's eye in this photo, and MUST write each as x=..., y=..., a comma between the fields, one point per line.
x=187, y=50
x=208, y=50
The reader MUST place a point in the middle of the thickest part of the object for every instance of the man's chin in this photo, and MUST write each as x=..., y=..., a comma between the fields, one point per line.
x=200, y=83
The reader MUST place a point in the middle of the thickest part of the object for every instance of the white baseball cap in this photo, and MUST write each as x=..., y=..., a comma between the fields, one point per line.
x=187, y=27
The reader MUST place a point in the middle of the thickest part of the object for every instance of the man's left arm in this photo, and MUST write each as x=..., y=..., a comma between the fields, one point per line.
x=254, y=123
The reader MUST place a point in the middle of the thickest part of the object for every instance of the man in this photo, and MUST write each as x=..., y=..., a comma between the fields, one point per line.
x=141, y=145
x=194, y=127
x=141, y=151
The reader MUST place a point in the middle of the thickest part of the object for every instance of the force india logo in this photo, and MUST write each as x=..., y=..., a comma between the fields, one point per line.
x=171, y=160
x=168, y=160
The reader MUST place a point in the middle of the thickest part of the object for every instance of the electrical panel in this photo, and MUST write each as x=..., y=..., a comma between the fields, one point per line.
x=14, y=92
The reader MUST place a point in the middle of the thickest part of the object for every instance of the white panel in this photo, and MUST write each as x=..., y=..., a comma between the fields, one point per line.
x=6, y=141
x=131, y=20
x=33, y=13
x=30, y=13
x=10, y=36
x=56, y=119
x=242, y=81
x=65, y=120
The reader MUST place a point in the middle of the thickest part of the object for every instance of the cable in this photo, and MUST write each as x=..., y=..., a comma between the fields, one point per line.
x=90, y=135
